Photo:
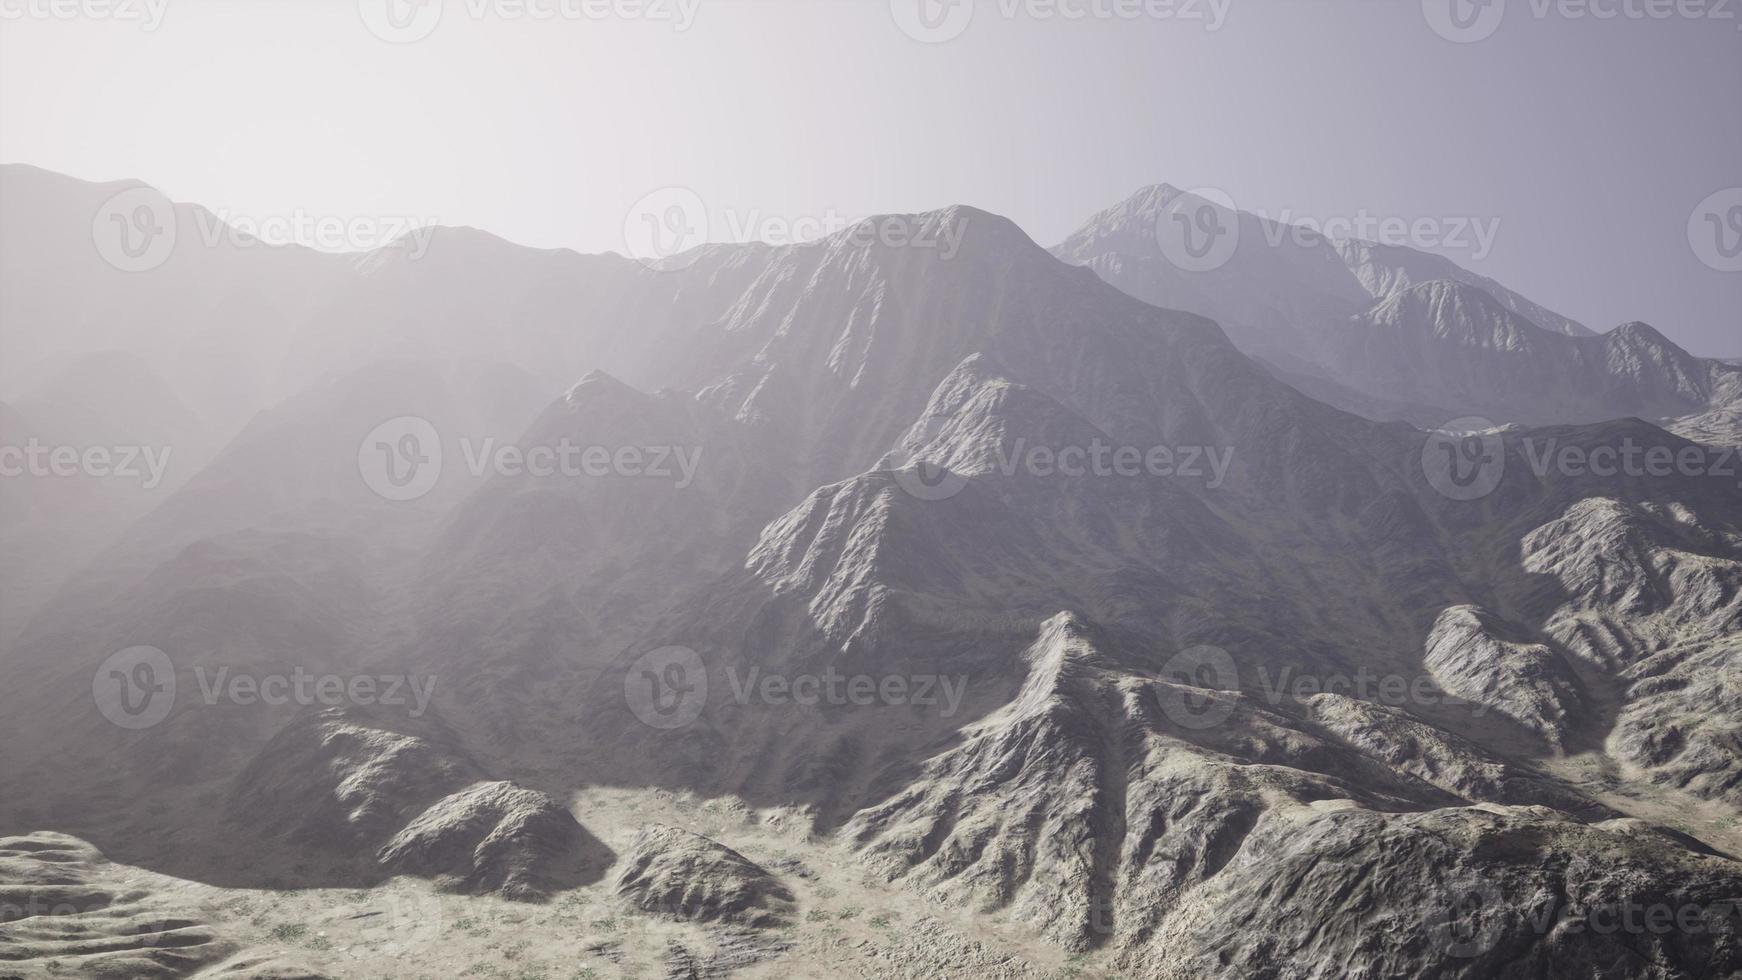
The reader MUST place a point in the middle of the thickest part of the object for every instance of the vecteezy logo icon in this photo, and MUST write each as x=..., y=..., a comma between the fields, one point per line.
x=1198, y=230
x=932, y=21
x=401, y=459
x=1464, y=459
x=924, y=479
x=134, y=231
x=135, y=687
x=1187, y=676
x=1464, y=21
x=400, y=21
x=1715, y=230
x=667, y=687
x=1466, y=920
x=664, y=227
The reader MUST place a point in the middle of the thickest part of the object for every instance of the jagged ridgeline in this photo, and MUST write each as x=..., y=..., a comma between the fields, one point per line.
x=1142, y=714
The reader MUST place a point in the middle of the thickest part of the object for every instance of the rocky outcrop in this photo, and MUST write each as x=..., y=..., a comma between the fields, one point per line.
x=1485, y=892
x=65, y=910
x=680, y=875
x=399, y=791
x=493, y=837
x=1472, y=657
x=1653, y=595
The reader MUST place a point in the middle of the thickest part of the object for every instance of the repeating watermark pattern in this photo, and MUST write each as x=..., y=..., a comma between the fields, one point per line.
x=1631, y=459
x=1192, y=678
x=1464, y=459
x=138, y=230
x=401, y=459
x=1469, y=21
x=664, y=227
x=1467, y=918
x=148, y=14
x=1715, y=230
x=1390, y=690
x=668, y=688
x=938, y=21
x=925, y=480
x=147, y=464
x=833, y=689
x=1460, y=233
x=1464, y=21
x=1097, y=459
x=1471, y=917
x=1467, y=459
x=135, y=230
x=1201, y=230
x=332, y=233
x=410, y=21
x=137, y=687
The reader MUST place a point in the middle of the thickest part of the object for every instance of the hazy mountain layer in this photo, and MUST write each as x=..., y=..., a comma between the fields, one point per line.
x=1392, y=332
x=1135, y=612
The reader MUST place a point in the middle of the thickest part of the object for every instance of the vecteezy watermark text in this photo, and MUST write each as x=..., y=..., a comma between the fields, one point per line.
x=834, y=689
x=1194, y=683
x=148, y=14
x=1201, y=230
x=1469, y=21
x=1098, y=458
x=663, y=228
x=1466, y=459
x=409, y=21
x=137, y=688
x=138, y=230
x=1462, y=233
x=668, y=688
x=147, y=464
x=402, y=459
x=938, y=21
x=1471, y=918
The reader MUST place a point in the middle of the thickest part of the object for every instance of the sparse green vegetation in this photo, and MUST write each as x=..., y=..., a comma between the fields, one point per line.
x=289, y=932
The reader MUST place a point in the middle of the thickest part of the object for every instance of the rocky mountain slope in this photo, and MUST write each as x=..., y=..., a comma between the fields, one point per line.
x=1392, y=332
x=1045, y=602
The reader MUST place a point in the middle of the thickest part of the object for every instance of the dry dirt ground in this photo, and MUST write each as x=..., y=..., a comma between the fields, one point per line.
x=846, y=922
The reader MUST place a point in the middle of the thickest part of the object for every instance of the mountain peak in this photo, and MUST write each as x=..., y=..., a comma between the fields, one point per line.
x=945, y=229
x=594, y=382
x=1638, y=331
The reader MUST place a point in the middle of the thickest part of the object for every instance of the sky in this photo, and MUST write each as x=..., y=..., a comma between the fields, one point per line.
x=1572, y=149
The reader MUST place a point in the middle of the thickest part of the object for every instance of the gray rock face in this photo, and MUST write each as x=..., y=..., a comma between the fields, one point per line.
x=681, y=875
x=1196, y=817
x=399, y=789
x=1445, y=893
x=1524, y=681
x=493, y=837
x=65, y=910
x=1654, y=596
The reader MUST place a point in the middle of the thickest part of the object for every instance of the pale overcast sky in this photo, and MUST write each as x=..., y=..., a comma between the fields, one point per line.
x=1592, y=143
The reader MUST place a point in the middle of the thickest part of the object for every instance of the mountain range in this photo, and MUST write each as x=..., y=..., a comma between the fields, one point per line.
x=1278, y=678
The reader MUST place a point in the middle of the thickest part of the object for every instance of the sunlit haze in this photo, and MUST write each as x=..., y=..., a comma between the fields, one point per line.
x=1590, y=141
